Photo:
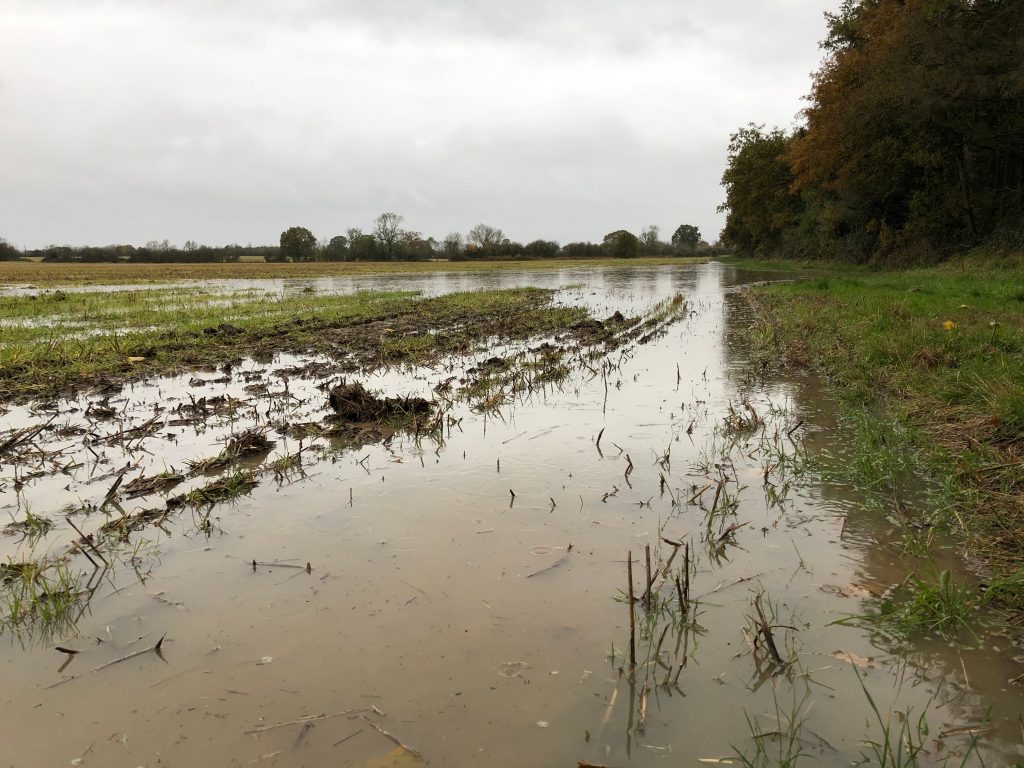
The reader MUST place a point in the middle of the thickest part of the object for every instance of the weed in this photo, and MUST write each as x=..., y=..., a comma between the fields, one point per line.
x=781, y=746
x=32, y=528
x=896, y=747
x=219, y=491
x=44, y=594
x=939, y=606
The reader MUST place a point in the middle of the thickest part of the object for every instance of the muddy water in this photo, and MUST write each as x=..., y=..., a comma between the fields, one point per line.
x=464, y=596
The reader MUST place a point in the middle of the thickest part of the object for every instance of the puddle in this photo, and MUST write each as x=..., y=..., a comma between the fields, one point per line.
x=453, y=592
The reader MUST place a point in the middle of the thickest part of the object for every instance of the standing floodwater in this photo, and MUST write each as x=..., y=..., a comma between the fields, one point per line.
x=458, y=597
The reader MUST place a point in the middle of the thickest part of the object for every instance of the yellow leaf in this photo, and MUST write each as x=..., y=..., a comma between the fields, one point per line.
x=399, y=757
x=864, y=662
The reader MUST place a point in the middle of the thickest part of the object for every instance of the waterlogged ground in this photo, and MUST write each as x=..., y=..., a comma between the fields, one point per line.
x=450, y=589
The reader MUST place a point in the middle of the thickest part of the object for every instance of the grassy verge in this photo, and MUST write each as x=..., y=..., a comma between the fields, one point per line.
x=12, y=272
x=936, y=357
x=802, y=267
x=60, y=341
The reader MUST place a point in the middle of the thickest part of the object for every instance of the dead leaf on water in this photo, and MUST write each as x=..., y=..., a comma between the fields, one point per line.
x=399, y=757
x=848, y=590
x=864, y=662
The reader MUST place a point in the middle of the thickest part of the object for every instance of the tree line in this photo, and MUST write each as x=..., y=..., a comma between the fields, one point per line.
x=388, y=241
x=152, y=253
x=912, y=144
x=385, y=241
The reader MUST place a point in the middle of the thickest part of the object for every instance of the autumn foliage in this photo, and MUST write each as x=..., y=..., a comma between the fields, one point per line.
x=913, y=143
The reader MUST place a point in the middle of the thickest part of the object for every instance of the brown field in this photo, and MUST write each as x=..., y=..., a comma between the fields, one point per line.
x=15, y=272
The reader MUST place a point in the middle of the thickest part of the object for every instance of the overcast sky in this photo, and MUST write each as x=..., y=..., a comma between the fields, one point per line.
x=230, y=120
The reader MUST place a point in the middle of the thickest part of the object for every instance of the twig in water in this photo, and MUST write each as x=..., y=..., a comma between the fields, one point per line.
x=87, y=541
x=302, y=721
x=718, y=492
x=647, y=591
x=308, y=568
x=632, y=616
x=113, y=491
x=560, y=561
x=155, y=649
x=765, y=630
x=644, y=691
x=392, y=737
x=699, y=493
x=350, y=736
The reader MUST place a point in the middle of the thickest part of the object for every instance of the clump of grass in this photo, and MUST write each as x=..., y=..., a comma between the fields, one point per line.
x=285, y=464
x=32, y=528
x=247, y=444
x=143, y=486
x=39, y=594
x=1007, y=587
x=896, y=747
x=938, y=606
x=881, y=453
x=780, y=745
x=742, y=420
x=219, y=491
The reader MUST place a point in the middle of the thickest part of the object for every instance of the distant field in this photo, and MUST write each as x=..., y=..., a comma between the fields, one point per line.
x=99, y=274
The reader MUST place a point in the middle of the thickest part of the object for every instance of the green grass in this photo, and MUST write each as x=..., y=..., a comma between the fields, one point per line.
x=49, y=345
x=929, y=364
x=937, y=605
x=779, y=742
x=797, y=266
x=220, y=491
x=43, y=596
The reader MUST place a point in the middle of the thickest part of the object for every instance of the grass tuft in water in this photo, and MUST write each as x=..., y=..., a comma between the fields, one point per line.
x=44, y=594
x=778, y=745
x=937, y=606
x=219, y=491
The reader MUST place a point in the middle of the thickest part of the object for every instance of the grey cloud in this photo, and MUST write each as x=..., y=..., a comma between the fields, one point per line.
x=229, y=121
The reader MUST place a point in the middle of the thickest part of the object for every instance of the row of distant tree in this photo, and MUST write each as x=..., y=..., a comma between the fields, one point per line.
x=386, y=241
x=913, y=143
x=152, y=253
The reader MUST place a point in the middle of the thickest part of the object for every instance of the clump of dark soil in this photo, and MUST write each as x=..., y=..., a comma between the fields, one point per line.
x=353, y=403
x=224, y=329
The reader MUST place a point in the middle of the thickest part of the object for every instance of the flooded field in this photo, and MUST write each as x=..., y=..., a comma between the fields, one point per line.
x=633, y=544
